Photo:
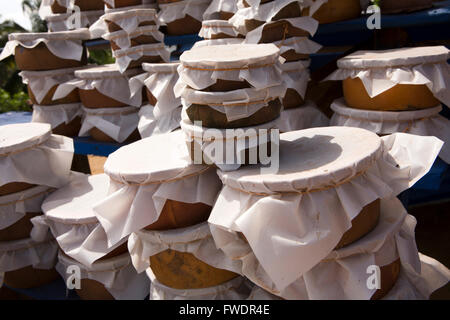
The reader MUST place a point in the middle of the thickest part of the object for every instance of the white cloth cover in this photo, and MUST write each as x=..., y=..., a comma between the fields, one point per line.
x=211, y=28
x=342, y=274
x=170, y=12
x=304, y=117
x=123, y=38
x=142, y=181
x=217, y=42
x=61, y=22
x=40, y=82
x=216, y=6
x=117, y=123
x=296, y=76
x=299, y=44
x=235, y=289
x=150, y=125
x=13, y=207
x=57, y=114
x=128, y=19
x=196, y=240
x=69, y=216
x=299, y=214
x=381, y=70
x=15, y=255
x=107, y=79
x=307, y=24
x=214, y=143
x=159, y=79
x=426, y=122
x=125, y=56
x=237, y=104
x=30, y=153
x=201, y=67
x=262, y=12
x=64, y=45
x=116, y=274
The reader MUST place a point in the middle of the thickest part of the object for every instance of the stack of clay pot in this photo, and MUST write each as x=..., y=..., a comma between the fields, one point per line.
x=235, y=87
x=47, y=60
x=282, y=23
x=104, y=272
x=160, y=201
x=327, y=224
x=33, y=162
x=399, y=90
x=162, y=114
x=63, y=17
x=180, y=17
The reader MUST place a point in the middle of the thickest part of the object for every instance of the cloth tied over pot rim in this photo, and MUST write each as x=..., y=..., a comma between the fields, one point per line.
x=116, y=274
x=150, y=125
x=217, y=42
x=142, y=182
x=128, y=19
x=57, y=114
x=14, y=207
x=296, y=76
x=125, y=56
x=68, y=215
x=15, y=255
x=170, y=12
x=123, y=39
x=304, y=117
x=51, y=155
x=425, y=122
x=315, y=200
x=216, y=6
x=64, y=44
x=107, y=79
x=235, y=289
x=117, y=123
x=159, y=79
x=382, y=70
x=201, y=67
x=211, y=28
x=237, y=104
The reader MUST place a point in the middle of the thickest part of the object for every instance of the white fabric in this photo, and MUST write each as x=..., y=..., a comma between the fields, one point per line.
x=426, y=122
x=40, y=82
x=61, y=22
x=51, y=155
x=235, y=289
x=125, y=56
x=381, y=71
x=217, y=6
x=217, y=42
x=15, y=206
x=212, y=141
x=123, y=39
x=106, y=79
x=259, y=65
x=117, y=123
x=170, y=12
x=142, y=181
x=304, y=117
x=264, y=12
x=296, y=76
x=64, y=45
x=159, y=79
x=69, y=216
x=116, y=274
x=150, y=125
x=57, y=114
x=127, y=19
x=343, y=273
x=237, y=104
x=342, y=171
x=307, y=24
x=15, y=255
x=212, y=28
x=196, y=240
x=299, y=44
